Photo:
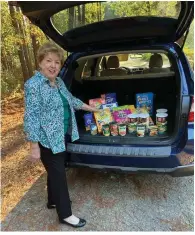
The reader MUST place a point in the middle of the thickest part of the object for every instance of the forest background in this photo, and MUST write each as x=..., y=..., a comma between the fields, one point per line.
x=20, y=39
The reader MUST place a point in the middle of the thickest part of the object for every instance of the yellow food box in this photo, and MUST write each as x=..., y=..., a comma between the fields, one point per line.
x=103, y=117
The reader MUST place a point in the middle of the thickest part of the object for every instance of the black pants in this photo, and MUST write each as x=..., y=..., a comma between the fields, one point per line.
x=56, y=181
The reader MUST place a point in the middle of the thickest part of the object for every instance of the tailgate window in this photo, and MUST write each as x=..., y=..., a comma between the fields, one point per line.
x=89, y=13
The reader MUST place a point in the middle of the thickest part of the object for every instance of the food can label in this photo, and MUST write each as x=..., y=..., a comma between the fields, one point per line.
x=114, y=129
x=122, y=130
x=141, y=130
x=93, y=129
x=106, y=130
x=132, y=127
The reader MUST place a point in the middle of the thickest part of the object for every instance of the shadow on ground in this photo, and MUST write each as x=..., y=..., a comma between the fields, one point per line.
x=110, y=202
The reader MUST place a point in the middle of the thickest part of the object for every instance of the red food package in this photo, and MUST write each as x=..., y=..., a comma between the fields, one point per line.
x=97, y=103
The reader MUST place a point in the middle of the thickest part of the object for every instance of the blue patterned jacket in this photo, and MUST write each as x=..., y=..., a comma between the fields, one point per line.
x=44, y=113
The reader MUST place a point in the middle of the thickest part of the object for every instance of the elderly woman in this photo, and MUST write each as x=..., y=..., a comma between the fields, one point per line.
x=49, y=119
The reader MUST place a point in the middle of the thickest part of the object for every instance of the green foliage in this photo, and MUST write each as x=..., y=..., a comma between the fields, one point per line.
x=143, y=8
x=9, y=83
x=146, y=56
x=190, y=38
x=9, y=38
x=11, y=72
x=71, y=18
x=190, y=55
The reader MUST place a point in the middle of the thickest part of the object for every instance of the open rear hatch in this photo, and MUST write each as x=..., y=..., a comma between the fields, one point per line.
x=128, y=28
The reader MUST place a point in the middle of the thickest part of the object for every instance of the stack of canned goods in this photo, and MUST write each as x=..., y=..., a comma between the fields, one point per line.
x=161, y=120
x=138, y=124
x=114, y=129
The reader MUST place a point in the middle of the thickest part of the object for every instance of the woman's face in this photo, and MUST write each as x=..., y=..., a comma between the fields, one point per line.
x=50, y=66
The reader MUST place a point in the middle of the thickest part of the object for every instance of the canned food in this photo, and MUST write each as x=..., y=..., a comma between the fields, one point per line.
x=153, y=130
x=162, y=129
x=132, y=118
x=114, y=128
x=132, y=127
x=144, y=119
x=93, y=129
x=161, y=110
x=141, y=130
x=106, y=130
x=161, y=122
x=122, y=130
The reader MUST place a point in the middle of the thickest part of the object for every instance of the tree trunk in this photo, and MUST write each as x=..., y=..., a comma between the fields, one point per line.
x=148, y=8
x=83, y=14
x=79, y=16
x=10, y=62
x=20, y=51
x=3, y=60
x=71, y=18
x=25, y=45
x=35, y=46
x=100, y=10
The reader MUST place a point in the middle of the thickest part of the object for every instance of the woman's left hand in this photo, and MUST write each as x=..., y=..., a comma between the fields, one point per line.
x=96, y=110
x=89, y=108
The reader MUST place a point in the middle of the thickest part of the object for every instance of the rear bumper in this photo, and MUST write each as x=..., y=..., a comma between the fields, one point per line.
x=179, y=171
x=162, y=160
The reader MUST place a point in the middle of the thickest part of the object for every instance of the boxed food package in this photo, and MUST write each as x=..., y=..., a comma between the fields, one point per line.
x=109, y=98
x=126, y=107
x=97, y=103
x=110, y=106
x=88, y=118
x=102, y=118
x=145, y=101
x=120, y=114
x=132, y=108
x=140, y=110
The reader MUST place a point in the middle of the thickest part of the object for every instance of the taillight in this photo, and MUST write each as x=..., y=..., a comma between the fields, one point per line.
x=191, y=114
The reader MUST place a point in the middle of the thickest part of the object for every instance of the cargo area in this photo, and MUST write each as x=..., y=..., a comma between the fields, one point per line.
x=165, y=87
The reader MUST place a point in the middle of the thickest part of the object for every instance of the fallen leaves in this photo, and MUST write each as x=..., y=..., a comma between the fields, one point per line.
x=18, y=174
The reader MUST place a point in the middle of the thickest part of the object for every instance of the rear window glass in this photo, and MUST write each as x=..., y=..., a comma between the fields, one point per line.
x=100, y=11
x=124, y=64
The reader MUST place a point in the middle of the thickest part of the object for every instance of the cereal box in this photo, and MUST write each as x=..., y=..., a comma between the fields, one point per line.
x=88, y=118
x=145, y=101
x=109, y=98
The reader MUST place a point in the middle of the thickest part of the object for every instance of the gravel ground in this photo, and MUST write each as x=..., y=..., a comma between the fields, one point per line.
x=111, y=202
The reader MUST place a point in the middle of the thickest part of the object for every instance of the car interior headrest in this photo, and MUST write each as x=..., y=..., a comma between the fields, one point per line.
x=113, y=62
x=156, y=61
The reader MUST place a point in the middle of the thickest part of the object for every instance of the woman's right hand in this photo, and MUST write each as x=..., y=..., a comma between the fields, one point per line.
x=34, y=154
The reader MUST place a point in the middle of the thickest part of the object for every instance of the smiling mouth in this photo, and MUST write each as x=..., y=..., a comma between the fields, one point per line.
x=52, y=72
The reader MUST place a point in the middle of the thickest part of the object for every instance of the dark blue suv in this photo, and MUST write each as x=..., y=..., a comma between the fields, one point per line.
x=92, y=41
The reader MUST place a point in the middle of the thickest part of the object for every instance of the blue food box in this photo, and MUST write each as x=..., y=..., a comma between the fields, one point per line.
x=88, y=118
x=109, y=98
x=145, y=100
